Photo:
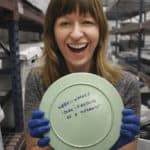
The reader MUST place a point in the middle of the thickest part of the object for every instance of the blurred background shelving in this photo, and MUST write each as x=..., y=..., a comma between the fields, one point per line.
x=129, y=22
x=21, y=28
x=131, y=30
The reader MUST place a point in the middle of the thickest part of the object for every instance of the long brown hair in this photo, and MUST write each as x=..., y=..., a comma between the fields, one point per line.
x=54, y=64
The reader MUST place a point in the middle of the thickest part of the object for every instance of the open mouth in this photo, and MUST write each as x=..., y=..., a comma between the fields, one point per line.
x=77, y=47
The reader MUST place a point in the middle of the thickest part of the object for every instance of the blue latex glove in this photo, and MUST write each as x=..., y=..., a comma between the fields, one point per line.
x=38, y=126
x=129, y=129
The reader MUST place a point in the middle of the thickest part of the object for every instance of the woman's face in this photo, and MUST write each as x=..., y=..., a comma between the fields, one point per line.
x=77, y=38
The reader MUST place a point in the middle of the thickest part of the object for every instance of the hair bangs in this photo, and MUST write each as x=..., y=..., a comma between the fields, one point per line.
x=68, y=6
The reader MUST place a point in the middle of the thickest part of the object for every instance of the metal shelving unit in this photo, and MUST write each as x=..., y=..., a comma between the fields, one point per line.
x=125, y=9
x=16, y=15
x=119, y=11
x=132, y=28
x=135, y=58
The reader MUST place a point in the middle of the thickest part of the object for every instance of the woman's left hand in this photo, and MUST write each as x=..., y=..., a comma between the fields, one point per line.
x=129, y=129
x=38, y=126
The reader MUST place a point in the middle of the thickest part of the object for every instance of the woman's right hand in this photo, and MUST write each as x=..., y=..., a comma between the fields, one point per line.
x=38, y=126
x=130, y=128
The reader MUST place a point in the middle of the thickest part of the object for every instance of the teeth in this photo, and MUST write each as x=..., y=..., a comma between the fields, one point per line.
x=81, y=46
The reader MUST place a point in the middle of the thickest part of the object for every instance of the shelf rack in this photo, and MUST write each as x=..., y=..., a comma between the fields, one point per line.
x=125, y=9
x=16, y=15
x=132, y=28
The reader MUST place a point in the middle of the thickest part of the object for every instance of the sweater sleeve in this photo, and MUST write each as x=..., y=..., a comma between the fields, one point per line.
x=34, y=91
x=128, y=87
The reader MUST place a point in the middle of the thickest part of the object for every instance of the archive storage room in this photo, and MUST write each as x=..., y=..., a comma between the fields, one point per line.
x=22, y=48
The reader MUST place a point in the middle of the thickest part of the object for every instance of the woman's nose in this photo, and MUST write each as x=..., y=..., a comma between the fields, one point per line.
x=76, y=32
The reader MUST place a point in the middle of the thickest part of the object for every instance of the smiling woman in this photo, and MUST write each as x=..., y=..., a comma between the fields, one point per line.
x=75, y=38
x=80, y=18
x=80, y=36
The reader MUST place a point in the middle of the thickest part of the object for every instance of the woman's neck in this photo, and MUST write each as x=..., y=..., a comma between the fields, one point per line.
x=85, y=68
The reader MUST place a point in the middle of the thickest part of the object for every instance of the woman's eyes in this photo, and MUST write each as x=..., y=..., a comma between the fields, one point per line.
x=69, y=23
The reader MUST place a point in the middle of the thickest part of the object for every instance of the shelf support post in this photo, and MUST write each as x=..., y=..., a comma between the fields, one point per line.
x=13, y=32
x=140, y=34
